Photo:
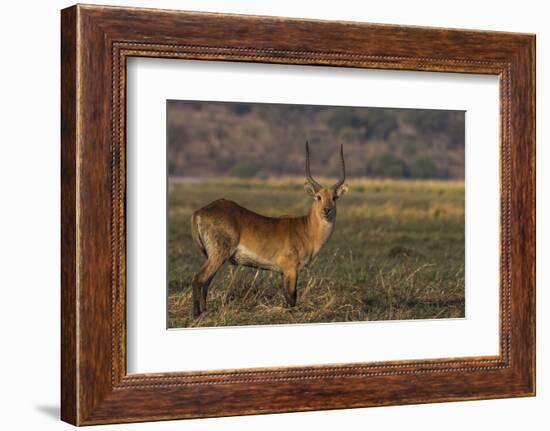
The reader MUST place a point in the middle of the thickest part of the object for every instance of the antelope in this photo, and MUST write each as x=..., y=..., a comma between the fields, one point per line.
x=225, y=231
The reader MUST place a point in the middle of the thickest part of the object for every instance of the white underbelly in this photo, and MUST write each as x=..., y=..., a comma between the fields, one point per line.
x=246, y=257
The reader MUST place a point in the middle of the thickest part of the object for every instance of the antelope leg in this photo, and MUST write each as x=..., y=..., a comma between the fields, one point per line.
x=202, y=280
x=290, y=279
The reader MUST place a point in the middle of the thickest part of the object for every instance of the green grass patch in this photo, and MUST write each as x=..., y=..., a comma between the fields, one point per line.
x=396, y=253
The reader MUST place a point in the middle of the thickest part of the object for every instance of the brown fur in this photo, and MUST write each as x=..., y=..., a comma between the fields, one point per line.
x=224, y=231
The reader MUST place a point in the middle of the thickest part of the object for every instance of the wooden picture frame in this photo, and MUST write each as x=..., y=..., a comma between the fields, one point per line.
x=95, y=43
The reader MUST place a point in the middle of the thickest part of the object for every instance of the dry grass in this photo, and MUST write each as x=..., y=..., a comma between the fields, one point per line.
x=397, y=252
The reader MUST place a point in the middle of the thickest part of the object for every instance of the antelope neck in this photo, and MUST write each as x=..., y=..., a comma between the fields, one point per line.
x=319, y=228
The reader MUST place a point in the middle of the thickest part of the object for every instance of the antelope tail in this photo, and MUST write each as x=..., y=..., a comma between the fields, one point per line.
x=195, y=233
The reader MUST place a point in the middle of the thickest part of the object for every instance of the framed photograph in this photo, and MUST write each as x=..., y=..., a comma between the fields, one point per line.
x=264, y=215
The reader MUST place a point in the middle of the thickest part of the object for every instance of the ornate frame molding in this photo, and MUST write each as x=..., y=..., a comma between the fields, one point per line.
x=96, y=41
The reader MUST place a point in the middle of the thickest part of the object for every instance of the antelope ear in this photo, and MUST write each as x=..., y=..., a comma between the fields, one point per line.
x=309, y=189
x=341, y=190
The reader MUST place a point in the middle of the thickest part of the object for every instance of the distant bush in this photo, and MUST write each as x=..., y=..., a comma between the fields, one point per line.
x=409, y=149
x=345, y=118
x=241, y=108
x=423, y=168
x=387, y=165
x=348, y=134
x=244, y=170
x=207, y=139
x=391, y=166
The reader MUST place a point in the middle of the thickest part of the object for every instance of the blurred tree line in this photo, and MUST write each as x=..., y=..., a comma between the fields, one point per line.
x=207, y=139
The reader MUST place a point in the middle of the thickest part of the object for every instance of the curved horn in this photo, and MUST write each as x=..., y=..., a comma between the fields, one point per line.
x=316, y=186
x=342, y=170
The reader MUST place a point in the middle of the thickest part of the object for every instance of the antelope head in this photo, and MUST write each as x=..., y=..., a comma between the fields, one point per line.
x=324, y=204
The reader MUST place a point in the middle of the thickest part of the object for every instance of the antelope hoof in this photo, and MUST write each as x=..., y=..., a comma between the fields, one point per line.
x=196, y=310
x=290, y=303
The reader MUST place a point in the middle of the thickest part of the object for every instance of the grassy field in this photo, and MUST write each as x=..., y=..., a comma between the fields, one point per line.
x=397, y=252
